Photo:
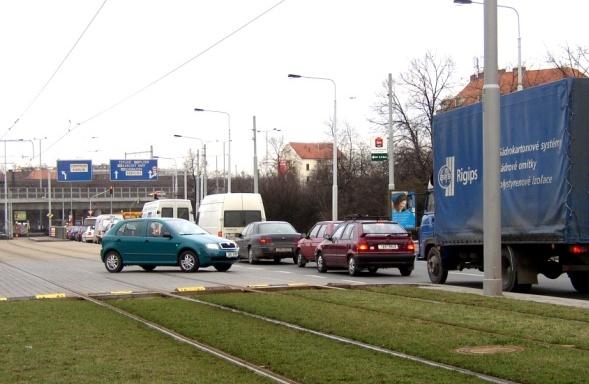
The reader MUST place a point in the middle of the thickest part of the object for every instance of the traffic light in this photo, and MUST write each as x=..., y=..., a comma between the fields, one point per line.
x=110, y=190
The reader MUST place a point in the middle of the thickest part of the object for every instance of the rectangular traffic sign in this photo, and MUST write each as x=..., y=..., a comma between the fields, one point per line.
x=379, y=156
x=133, y=170
x=71, y=171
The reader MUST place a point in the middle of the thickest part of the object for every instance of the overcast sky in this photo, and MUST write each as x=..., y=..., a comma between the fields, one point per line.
x=131, y=43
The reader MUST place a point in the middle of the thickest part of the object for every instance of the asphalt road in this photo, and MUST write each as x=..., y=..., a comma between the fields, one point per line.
x=29, y=268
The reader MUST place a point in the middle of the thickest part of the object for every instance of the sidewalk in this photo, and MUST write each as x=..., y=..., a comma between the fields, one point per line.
x=512, y=295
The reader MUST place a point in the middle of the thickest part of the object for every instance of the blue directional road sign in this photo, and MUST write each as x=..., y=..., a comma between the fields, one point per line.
x=71, y=171
x=133, y=170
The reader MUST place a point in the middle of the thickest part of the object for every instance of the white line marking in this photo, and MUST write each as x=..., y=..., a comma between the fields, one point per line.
x=282, y=271
x=354, y=281
x=317, y=277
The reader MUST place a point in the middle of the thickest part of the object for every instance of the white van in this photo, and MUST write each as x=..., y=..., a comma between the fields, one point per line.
x=177, y=208
x=102, y=223
x=226, y=214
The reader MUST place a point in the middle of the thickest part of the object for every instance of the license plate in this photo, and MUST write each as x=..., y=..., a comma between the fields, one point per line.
x=231, y=254
x=283, y=249
x=388, y=246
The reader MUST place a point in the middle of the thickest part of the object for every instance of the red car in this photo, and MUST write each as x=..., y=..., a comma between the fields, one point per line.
x=367, y=244
x=307, y=246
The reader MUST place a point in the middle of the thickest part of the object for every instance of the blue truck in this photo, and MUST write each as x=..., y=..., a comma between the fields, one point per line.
x=544, y=152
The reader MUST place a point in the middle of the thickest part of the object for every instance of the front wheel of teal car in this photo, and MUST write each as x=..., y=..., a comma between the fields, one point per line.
x=188, y=261
x=113, y=262
x=222, y=267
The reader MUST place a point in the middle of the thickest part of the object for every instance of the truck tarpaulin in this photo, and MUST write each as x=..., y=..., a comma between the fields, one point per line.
x=544, y=154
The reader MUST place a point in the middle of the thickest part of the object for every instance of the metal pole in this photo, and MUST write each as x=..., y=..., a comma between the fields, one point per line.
x=204, y=173
x=390, y=147
x=224, y=169
x=49, y=195
x=229, y=155
x=256, y=156
x=334, y=188
x=492, y=284
x=6, y=225
x=40, y=181
x=185, y=184
x=196, y=179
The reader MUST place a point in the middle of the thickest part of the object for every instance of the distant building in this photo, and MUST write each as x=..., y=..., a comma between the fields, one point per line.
x=473, y=91
x=304, y=158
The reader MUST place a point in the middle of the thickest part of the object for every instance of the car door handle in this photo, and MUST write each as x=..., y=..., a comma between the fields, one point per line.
x=146, y=241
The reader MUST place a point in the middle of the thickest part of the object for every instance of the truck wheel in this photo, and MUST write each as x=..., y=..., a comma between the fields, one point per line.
x=436, y=271
x=580, y=281
x=509, y=272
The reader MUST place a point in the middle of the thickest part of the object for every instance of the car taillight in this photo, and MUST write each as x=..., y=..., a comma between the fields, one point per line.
x=578, y=249
x=265, y=240
x=220, y=233
x=411, y=246
x=362, y=247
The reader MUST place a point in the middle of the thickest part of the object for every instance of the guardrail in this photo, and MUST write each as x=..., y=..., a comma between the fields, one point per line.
x=87, y=194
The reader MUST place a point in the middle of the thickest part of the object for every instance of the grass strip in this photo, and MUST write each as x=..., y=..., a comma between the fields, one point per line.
x=537, y=363
x=301, y=356
x=479, y=301
x=67, y=341
x=502, y=321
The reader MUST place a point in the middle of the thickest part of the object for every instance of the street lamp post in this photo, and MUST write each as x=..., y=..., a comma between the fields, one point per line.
x=334, y=132
x=519, y=39
x=228, y=143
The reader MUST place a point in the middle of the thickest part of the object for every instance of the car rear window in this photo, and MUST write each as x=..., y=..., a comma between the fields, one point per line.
x=382, y=228
x=240, y=218
x=183, y=213
x=267, y=228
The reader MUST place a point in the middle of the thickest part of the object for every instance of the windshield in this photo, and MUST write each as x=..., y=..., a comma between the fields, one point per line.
x=281, y=228
x=185, y=227
x=383, y=229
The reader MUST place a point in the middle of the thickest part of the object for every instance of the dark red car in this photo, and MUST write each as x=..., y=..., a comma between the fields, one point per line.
x=367, y=244
x=307, y=246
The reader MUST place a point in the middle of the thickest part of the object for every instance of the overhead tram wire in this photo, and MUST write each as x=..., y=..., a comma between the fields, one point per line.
x=169, y=73
x=55, y=72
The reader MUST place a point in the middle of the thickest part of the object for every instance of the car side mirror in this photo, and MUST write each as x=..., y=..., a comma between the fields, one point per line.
x=307, y=236
x=239, y=235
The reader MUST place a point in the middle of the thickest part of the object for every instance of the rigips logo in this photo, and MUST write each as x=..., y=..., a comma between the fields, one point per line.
x=447, y=178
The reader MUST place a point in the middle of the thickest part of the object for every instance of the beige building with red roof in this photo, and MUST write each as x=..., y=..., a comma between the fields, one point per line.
x=305, y=157
x=473, y=91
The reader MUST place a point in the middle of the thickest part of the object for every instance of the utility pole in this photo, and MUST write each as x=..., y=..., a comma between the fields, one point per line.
x=492, y=282
x=390, y=147
x=256, y=158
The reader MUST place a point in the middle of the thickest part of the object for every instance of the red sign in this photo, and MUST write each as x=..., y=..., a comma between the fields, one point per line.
x=378, y=142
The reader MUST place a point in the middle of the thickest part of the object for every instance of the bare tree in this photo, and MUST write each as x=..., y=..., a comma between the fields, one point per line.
x=571, y=61
x=416, y=96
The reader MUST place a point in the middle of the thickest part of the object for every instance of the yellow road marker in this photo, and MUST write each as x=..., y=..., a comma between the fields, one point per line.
x=190, y=289
x=50, y=296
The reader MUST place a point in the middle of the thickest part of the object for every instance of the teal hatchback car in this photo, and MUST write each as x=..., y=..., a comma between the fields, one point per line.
x=153, y=242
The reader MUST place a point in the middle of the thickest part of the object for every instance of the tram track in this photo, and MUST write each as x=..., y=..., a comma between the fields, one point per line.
x=236, y=360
